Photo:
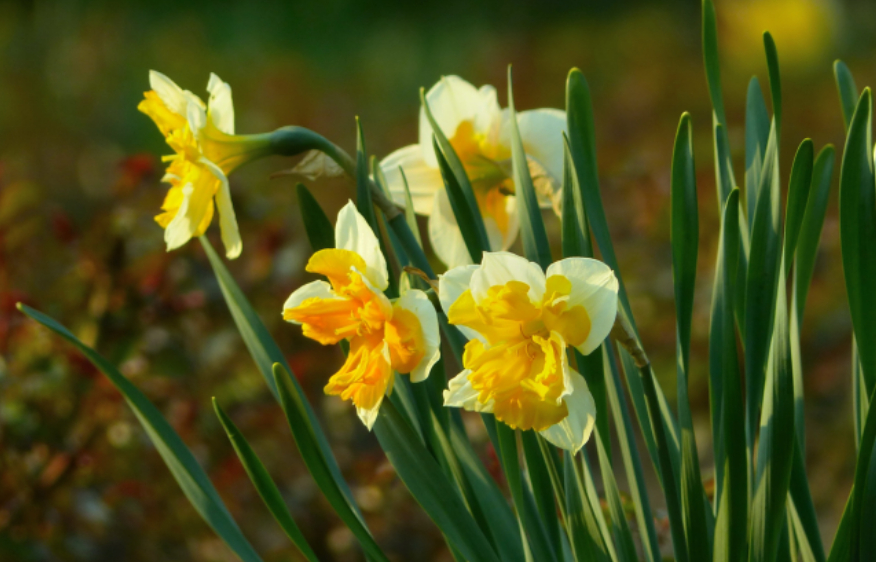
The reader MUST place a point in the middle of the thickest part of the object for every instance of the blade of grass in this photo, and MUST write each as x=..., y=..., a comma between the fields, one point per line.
x=317, y=226
x=798, y=198
x=179, y=459
x=264, y=485
x=467, y=217
x=541, y=485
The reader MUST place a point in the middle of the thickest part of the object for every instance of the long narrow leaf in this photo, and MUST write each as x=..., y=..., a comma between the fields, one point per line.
x=586, y=539
x=535, y=242
x=264, y=485
x=179, y=459
x=848, y=91
x=620, y=529
x=757, y=133
x=857, y=233
x=772, y=56
x=429, y=487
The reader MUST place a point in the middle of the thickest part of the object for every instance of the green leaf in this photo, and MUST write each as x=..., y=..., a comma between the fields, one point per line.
x=803, y=510
x=265, y=353
x=848, y=91
x=541, y=484
x=761, y=284
x=868, y=506
x=363, y=182
x=468, y=217
x=632, y=461
x=810, y=230
x=775, y=448
x=596, y=504
x=264, y=485
x=710, y=57
x=858, y=232
x=429, y=487
x=576, y=243
x=179, y=459
x=620, y=529
x=455, y=169
x=535, y=242
x=502, y=523
x=772, y=56
x=685, y=239
x=726, y=403
x=798, y=198
x=317, y=225
x=305, y=431
x=536, y=535
x=585, y=536
x=669, y=481
x=757, y=133
x=410, y=216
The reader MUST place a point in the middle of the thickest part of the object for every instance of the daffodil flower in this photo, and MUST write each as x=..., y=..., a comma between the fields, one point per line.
x=480, y=133
x=385, y=336
x=520, y=321
x=206, y=150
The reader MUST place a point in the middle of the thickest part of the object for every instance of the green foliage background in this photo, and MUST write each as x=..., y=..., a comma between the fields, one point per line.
x=79, y=186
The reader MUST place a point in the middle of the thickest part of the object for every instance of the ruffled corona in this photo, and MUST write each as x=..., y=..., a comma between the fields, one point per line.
x=480, y=134
x=519, y=321
x=385, y=336
x=206, y=150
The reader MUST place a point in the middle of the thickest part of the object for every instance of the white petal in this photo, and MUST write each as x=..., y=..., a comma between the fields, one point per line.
x=594, y=287
x=542, y=133
x=220, y=108
x=314, y=289
x=180, y=229
x=227, y=218
x=498, y=268
x=444, y=234
x=423, y=180
x=418, y=303
x=353, y=233
x=460, y=394
x=489, y=113
x=452, y=100
x=573, y=432
x=171, y=94
x=196, y=116
x=450, y=286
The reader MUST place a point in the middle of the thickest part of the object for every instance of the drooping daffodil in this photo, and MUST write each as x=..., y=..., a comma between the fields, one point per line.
x=519, y=321
x=480, y=133
x=206, y=150
x=385, y=336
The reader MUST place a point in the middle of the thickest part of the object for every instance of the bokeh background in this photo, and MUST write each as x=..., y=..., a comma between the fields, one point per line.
x=79, y=185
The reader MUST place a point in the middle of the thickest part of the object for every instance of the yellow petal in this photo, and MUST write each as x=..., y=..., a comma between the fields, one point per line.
x=335, y=264
x=166, y=120
x=364, y=378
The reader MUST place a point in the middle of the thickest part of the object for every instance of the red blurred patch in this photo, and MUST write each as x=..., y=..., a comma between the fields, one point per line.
x=134, y=170
x=62, y=227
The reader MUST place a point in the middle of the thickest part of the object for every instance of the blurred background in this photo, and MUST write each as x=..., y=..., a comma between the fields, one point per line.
x=79, y=185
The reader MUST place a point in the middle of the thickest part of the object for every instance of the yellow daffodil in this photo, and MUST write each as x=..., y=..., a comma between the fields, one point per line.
x=206, y=150
x=519, y=321
x=480, y=133
x=384, y=336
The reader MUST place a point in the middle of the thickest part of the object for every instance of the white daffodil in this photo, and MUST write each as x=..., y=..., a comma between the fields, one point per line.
x=385, y=336
x=480, y=133
x=206, y=150
x=519, y=321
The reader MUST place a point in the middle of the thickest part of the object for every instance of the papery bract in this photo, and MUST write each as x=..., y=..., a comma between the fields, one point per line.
x=520, y=322
x=385, y=336
x=480, y=133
